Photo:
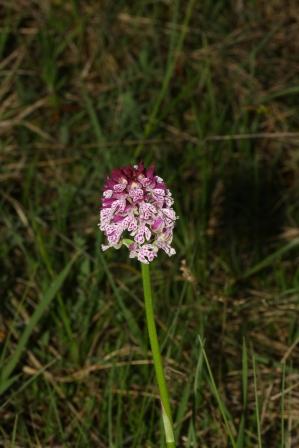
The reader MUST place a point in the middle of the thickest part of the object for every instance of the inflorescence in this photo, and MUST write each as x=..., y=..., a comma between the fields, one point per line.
x=137, y=212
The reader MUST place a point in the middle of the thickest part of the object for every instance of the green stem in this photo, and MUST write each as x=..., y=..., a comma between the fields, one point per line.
x=166, y=412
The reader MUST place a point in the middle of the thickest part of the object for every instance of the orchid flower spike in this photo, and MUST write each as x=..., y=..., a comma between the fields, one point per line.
x=137, y=212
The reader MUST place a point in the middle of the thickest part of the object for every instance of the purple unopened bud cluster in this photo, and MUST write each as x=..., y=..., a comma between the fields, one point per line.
x=137, y=212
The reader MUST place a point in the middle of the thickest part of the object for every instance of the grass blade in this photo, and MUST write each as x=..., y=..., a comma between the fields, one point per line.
x=224, y=412
x=269, y=260
x=132, y=322
x=241, y=433
x=282, y=404
x=257, y=412
x=97, y=129
x=150, y=126
x=40, y=309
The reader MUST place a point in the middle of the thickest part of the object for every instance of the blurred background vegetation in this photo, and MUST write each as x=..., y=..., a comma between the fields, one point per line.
x=208, y=92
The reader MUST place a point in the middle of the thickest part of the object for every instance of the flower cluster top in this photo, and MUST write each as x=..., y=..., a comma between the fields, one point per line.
x=137, y=212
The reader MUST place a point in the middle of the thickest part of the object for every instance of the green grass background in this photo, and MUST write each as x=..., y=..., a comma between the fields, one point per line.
x=208, y=92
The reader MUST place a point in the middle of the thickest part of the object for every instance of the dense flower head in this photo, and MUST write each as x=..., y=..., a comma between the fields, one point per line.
x=137, y=212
